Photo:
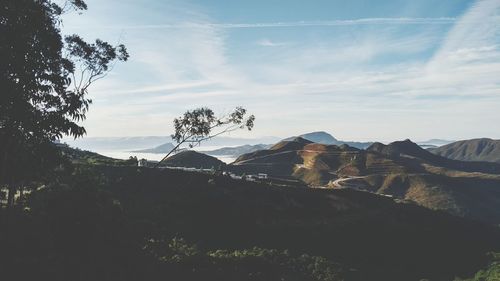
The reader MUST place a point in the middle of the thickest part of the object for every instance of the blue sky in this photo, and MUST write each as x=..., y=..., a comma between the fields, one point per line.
x=361, y=70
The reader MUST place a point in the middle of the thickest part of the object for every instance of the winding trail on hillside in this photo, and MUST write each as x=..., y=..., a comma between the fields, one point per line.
x=341, y=182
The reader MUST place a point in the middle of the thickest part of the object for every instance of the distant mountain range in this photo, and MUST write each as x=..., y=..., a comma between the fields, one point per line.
x=237, y=150
x=100, y=144
x=471, y=150
x=161, y=149
x=401, y=169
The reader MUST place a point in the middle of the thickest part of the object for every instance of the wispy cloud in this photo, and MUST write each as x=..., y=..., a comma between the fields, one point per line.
x=324, y=23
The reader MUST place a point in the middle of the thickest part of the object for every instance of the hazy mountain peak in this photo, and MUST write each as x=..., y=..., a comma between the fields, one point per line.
x=320, y=137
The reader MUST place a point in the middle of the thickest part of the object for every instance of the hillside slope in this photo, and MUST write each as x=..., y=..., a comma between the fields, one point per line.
x=471, y=150
x=130, y=223
x=401, y=169
x=379, y=238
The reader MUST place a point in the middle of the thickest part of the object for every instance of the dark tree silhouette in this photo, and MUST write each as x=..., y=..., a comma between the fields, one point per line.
x=199, y=125
x=44, y=80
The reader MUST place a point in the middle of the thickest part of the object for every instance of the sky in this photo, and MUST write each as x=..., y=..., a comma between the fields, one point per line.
x=361, y=70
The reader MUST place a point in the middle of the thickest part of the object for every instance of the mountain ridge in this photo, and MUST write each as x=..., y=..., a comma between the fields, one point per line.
x=481, y=149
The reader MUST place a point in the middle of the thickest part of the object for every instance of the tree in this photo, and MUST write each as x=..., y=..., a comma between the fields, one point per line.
x=44, y=81
x=201, y=124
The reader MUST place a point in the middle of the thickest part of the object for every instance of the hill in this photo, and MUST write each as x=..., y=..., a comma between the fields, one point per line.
x=325, y=138
x=193, y=159
x=401, y=169
x=161, y=149
x=409, y=149
x=471, y=150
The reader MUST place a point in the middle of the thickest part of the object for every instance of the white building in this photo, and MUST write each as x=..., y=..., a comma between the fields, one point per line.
x=142, y=163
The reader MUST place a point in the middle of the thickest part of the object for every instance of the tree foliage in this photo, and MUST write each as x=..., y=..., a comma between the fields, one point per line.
x=44, y=81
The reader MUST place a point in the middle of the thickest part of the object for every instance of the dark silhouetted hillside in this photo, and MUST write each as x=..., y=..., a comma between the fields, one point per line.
x=193, y=159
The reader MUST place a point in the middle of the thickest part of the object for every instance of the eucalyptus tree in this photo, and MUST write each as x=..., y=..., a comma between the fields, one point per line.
x=201, y=124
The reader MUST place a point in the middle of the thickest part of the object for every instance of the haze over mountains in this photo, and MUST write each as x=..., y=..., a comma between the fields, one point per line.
x=98, y=144
x=237, y=150
x=160, y=149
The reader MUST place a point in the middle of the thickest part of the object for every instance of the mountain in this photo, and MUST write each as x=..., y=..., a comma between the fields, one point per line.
x=401, y=169
x=193, y=159
x=325, y=138
x=161, y=149
x=279, y=160
x=471, y=150
x=318, y=137
x=237, y=150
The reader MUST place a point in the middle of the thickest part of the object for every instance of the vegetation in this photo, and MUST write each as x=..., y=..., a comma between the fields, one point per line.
x=250, y=264
x=491, y=273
